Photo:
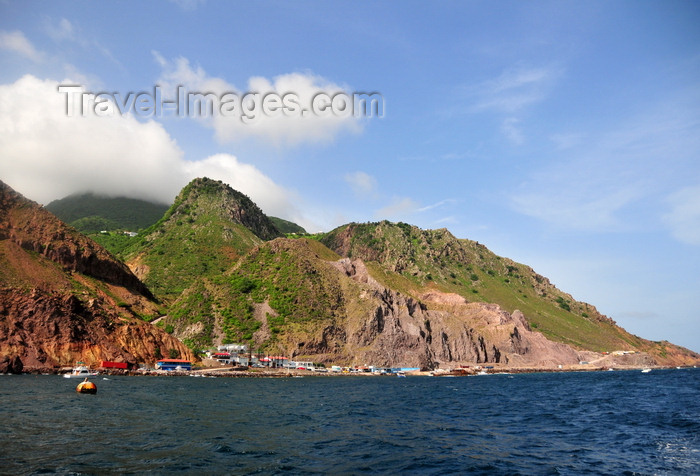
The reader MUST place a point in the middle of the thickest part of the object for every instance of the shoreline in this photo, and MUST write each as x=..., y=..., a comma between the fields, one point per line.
x=233, y=372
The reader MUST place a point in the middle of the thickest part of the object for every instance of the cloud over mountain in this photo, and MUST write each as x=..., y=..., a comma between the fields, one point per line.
x=46, y=155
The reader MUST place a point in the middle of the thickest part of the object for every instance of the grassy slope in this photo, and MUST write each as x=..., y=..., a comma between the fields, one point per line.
x=436, y=259
x=195, y=239
x=91, y=213
x=287, y=277
x=286, y=226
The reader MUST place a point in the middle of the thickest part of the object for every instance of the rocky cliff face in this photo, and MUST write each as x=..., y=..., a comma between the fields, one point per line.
x=63, y=298
x=34, y=229
x=45, y=331
x=435, y=329
x=437, y=260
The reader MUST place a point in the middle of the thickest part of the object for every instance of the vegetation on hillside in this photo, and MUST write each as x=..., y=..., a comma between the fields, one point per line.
x=206, y=257
x=91, y=213
x=287, y=227
x=201, y=235
x=435, y=258
x=282, y=285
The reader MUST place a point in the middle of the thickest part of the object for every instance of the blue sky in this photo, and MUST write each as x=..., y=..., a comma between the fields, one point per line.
x=564, y=135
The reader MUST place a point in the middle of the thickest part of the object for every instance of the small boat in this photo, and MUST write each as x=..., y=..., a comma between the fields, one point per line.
x=646, y=371
x=400, y=374
x=80, y=371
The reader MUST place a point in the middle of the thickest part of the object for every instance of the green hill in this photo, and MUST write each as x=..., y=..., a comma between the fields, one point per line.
x=282, y=291
x=207, y=229
x=381, y=292
x=373, y=293
x=91, y=213
x=287, y=227
x=435, y=258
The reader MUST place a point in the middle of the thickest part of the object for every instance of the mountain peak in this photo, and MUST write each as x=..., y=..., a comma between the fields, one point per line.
x=207, y=195
x=208, y=227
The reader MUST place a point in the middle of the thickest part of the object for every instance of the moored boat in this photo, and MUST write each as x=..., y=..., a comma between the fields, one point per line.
x=80, y=371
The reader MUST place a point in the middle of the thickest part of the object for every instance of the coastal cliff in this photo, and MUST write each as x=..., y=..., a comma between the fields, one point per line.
x=384, y=294
x=64, y=298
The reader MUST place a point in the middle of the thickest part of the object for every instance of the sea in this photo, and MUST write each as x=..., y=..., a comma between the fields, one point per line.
x=617, y=423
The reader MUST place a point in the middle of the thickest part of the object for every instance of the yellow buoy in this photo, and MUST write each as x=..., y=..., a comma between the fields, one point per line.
x=86, y=387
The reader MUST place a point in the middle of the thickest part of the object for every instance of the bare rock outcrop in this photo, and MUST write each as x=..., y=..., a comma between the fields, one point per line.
x=45, y=331
x=11, y=365
x=64, y=298
x=28, y=225
x=441, y=329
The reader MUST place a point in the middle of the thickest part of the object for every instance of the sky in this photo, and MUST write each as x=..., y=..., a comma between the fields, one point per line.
x=563, y=135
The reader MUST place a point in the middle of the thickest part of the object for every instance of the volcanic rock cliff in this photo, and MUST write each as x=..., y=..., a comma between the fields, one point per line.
x=436, y=329
x=48, y=330
x=29, y=226
x=63, y=298
x=386, y=294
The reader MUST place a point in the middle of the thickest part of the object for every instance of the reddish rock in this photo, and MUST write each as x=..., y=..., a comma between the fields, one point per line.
x=11, y=365
x=64, y=298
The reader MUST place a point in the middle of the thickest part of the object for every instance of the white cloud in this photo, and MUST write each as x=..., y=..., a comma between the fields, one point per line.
x=279, y=128
x=398, y=208
x=271, y=198
x=46, y=155
x=509, y=95
x=510, y=129
x=611, y=180
x=61, y=31
x=16, y=42
x=406, y=208
x=446, y=220
x=589, y=192
x=362, y=184
x=684, y=216
x=447, y=201
x=65, y=31
x=514, y=89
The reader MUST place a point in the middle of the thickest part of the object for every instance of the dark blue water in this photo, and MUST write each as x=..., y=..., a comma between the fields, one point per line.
x=575, y=423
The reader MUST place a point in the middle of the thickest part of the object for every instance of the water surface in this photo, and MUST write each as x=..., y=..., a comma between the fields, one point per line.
x=551, y=423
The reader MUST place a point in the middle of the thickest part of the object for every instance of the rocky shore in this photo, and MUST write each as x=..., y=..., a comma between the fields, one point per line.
x=243, y=372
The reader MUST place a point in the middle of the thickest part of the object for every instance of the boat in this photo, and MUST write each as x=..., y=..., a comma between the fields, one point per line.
x=646, y=371
x=400, y=374
x=81, y=371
